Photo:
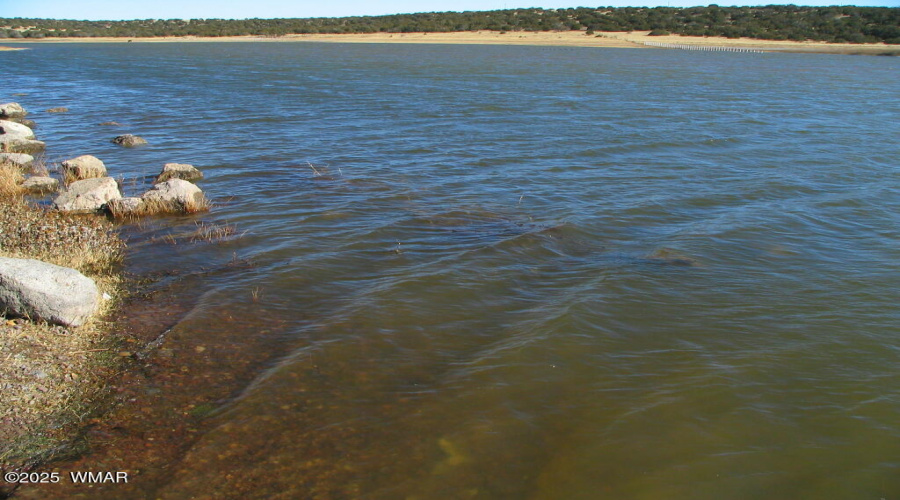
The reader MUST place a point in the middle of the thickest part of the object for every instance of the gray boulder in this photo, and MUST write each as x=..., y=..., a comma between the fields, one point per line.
x=41, y=184
x=12, y=110
x=42, y=291
x=181, y=171
x=175, y=196
x=88, y=195
x=129, y=141
x=19, y=159
x=84, y=167
x=15, y=130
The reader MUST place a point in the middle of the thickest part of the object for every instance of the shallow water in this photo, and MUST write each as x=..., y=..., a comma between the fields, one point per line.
x=513, y=272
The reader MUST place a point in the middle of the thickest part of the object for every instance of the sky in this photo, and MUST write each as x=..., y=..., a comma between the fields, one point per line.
x=112, y=10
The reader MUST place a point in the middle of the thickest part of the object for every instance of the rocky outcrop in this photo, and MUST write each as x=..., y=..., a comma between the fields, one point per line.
x=129, y=141
x=19, y=159
x=12, y=110
x=41, y=184
x=181, y=171
x=83, y=167
x=41, y=291
x=174, y=196
x=89, y=195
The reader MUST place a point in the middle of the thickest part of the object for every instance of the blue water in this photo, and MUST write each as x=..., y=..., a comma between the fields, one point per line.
x=516, y=272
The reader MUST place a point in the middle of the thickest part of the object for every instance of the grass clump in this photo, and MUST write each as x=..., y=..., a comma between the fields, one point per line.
x=11, y=179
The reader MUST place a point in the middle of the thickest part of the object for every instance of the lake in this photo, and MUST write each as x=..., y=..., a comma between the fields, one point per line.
x=499, y=272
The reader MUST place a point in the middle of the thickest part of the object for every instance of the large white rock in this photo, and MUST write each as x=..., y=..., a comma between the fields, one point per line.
x=84, y=167
x=47, y=292
x=20, y=159
x=175, y=195
x=15, y=130
x=88, y=195
x=11, y=110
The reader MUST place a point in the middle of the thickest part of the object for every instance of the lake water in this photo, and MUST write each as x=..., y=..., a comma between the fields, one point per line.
x=502, y=272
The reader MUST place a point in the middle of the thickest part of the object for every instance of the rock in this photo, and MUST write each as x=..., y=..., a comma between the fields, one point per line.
x=15, y=145
x=18, y=138
x=84, y=167
x=181, y=171
x=41, y=184
x=175, y=196
x=126, y=207
x=19, y=159
x=28, y=123
x=110, y=124
x=12, y=110
x=129, y=141
x=60, y=109
x=88, y=195
x=15, y=130
x=47, y=292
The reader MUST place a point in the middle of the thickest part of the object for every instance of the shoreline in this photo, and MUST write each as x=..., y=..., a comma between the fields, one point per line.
x=636, y=39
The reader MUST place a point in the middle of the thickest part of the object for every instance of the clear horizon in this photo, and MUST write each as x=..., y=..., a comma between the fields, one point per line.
x=111, y=10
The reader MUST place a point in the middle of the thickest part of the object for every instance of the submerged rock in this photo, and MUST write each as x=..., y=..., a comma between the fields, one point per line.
x=89, y=195
x=84, y=167
x=12, y=110
x=129, y=141
x=42, y=291
x=60, y=109
x=181, y=171
x=174, y=196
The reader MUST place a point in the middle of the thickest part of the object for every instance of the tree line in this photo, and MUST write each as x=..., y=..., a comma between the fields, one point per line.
x=774, y=22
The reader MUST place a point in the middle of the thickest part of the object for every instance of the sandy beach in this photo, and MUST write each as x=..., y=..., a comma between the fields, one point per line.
x=635, y=39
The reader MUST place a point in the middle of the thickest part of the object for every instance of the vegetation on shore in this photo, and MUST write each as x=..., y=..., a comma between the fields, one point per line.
x=842, y=24
x=53, y=377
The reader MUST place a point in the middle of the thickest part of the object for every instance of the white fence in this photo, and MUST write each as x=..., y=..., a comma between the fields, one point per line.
x=707, y=48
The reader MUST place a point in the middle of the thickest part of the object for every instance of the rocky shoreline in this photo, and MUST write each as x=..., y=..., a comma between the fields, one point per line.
x=62, y=284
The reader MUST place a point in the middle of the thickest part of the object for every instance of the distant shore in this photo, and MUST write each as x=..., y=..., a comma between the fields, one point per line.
x=635, y=39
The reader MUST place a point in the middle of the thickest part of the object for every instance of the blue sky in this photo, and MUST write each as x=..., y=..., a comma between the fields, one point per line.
x=231, y=9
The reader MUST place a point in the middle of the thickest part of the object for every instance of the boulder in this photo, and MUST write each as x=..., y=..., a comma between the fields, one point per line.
x=174, y=196
x=12, y=110
x=110, y=124
x=181, y=171
x=41, y=184
x=84, y=167
x=88, y=195
x=19, y=159
x=60, y=109
x=17, y=145
x=129, y=141
x=126, y=207
x=15, y=130
x=42, y=291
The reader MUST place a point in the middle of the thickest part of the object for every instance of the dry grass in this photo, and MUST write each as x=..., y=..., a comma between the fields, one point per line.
x=158, y=207
x=52, y=376
x=11, y=179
